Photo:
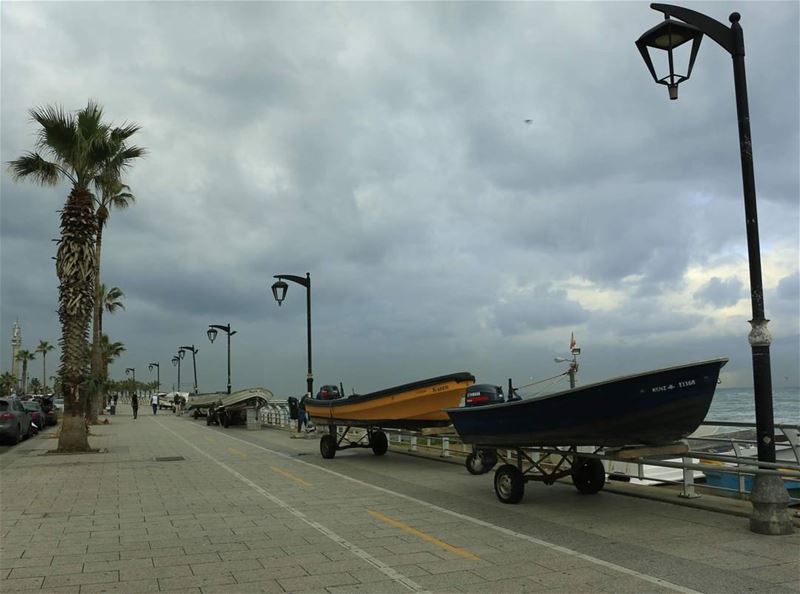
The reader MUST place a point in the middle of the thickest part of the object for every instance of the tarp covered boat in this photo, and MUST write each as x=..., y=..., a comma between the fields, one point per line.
x=229, y=406
x=655, y=407
x=408, y=406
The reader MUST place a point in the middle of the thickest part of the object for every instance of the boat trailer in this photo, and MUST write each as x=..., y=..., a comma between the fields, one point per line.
x=333, y=441
x=547, y=464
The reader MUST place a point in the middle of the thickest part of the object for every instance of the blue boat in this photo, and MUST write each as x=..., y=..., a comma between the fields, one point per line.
x=652, y=408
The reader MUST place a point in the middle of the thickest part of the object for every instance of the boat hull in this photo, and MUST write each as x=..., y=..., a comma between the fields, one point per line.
x=409, y=406
x=650, y=408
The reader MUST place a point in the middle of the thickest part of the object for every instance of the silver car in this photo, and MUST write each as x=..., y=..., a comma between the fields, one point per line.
x=15, y=421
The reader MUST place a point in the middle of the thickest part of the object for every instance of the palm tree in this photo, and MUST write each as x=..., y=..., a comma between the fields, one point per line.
x=24, y=356
x=110, y=301
x=44, y=348
x=113, y=194
x=83, y=150
x=109, y=352
x=7, y=383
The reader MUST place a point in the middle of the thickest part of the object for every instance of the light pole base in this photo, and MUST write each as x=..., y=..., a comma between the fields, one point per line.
x=770, y=501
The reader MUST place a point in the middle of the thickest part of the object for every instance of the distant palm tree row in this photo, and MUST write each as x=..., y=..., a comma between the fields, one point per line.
x=91, y=155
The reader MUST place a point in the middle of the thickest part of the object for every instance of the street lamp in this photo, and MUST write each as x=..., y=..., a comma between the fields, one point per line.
x=212, y=334
x=769, y=496
x=132, y=371
x=158, y=373
x=279, y=289
x=194, y=352
x=176, y=361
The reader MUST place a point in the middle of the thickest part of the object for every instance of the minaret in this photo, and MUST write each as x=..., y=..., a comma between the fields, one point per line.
x=16, y=345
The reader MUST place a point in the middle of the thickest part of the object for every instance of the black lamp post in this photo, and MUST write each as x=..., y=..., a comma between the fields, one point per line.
x=279, y=289
x=131, y=371
x=194, y=352
x=158, y=374
x=176, y=362
x=769, y=495
x=212, y=334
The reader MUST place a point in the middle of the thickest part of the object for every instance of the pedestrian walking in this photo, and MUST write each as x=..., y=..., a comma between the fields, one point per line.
x=135, y=405
x=154, y=403
x=302, y=415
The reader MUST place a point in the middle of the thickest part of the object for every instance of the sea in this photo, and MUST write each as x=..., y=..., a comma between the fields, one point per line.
x=738, y=404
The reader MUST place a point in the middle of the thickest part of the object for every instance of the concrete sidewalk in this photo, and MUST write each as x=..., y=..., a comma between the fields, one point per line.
x=172, y=505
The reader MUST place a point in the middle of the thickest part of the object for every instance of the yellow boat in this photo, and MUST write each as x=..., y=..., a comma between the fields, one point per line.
x=410, y=406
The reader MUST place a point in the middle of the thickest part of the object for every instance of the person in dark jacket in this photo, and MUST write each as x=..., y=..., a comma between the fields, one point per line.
x=135, y=405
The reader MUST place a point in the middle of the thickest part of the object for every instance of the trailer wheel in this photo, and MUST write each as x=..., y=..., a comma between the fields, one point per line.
x=379, y=443
x=481, y=461
x=588, y=475
x=509, y=484
x=225, y=420
x=327, y=446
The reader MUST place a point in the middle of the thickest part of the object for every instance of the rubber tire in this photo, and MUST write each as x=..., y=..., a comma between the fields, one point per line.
x=588, y=475
x=489, y=459
x=225, y=421
x=509, y=484
x=474, y=464
x=379, y=443
x=208, y=419
x=327, y=446
x=481, y=461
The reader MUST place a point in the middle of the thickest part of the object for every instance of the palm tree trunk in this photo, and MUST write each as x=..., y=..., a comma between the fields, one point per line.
x=24, y=376
x=76, y=296
x=97, y=400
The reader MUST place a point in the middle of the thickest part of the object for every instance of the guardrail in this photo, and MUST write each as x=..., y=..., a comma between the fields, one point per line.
x=650, y=470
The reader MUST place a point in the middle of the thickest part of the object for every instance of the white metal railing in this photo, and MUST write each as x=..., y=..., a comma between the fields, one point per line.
x=739, y=461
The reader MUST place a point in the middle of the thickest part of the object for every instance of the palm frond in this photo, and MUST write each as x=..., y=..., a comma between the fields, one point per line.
x=122, y=133
x=33, y=165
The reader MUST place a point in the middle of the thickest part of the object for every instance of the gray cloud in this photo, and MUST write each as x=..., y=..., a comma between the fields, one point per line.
x=383, y=148
x=721, y=292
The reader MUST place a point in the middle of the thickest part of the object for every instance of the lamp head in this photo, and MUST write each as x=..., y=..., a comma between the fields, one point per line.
x=279, y=289
x=175, y=360
x=182, y=353
x=668, y=35
x=212, y=334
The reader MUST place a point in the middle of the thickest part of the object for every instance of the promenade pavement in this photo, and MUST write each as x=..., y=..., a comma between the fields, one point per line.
x=172, y=505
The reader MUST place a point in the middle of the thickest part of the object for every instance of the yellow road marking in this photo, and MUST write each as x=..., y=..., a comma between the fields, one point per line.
x=291, y=476
x=211, y=439
x=427, y=537
x=237, y=452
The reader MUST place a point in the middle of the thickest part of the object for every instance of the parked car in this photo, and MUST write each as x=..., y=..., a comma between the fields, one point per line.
x=58, y=404
x=49, y=409
x=15, y=421
x=38, y=418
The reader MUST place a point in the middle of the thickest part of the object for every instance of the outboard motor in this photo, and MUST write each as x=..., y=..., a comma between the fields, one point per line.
x=483, y=394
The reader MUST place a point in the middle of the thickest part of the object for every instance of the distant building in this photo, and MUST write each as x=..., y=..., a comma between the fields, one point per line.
x=16, y=345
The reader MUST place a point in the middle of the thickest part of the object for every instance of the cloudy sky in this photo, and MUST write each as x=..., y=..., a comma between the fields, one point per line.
x=467, y=183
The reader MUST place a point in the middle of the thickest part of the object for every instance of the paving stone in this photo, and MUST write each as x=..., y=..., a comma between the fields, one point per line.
x=175, y=584
x=37, y=571
x=72, y=579
x=30, y=583
x=131, y=587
